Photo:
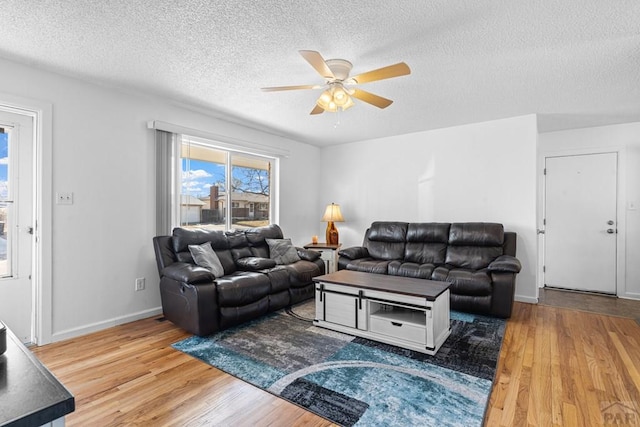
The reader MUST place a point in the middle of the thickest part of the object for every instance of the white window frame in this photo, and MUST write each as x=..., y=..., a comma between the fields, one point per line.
x=230, y=154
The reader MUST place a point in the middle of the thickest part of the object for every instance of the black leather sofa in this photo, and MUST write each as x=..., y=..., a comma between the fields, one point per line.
x=252, y=286
x=478, y=259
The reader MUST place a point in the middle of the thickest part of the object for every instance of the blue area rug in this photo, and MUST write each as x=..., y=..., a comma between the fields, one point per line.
x=355, y=381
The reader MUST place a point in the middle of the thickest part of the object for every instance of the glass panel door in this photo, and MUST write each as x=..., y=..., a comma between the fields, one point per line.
x=6, y=205
x=17, y=219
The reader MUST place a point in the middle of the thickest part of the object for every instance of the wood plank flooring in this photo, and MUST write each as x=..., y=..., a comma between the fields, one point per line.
x=558, y=367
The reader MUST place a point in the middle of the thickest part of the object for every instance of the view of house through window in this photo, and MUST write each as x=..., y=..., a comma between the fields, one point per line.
x=213, y=179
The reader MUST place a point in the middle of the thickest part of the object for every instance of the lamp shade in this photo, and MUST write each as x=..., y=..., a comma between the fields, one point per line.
x=332, y=214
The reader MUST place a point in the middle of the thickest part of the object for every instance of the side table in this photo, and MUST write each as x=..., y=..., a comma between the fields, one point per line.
x=329, y=254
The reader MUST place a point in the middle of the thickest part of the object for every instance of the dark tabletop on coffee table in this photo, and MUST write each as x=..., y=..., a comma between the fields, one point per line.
x=424, y=288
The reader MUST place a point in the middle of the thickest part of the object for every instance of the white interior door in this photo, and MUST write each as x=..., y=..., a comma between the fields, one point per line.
x=580, y=222
x=16, y=222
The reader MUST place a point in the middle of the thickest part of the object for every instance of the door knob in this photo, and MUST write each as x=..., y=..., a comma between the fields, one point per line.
x=610, y=222
x=610, y=230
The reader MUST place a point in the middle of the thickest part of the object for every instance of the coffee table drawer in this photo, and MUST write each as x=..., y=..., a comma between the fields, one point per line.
x=399, y=330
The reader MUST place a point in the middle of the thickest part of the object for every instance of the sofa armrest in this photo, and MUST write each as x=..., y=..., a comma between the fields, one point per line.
x=505, y=263
x=502, y=295
x=355, y=252
x=308, y=255
x=187, y=273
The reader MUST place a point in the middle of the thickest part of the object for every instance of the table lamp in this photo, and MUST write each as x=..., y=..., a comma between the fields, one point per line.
x=331, y=215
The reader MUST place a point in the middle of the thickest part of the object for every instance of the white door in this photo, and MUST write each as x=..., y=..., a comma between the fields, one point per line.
x=16, y=219
x=580, y=222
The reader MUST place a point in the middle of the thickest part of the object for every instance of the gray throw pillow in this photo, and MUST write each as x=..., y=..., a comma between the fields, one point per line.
x=282, y=251
x=204, y=256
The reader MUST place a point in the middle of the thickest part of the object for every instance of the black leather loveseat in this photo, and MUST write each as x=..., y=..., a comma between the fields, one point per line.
x=478, y=259
x=252, y=283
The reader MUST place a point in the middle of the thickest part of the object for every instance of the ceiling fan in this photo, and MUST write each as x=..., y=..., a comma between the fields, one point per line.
x=339, y=86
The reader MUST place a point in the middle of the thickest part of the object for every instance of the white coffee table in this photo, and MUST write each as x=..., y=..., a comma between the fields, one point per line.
x=402, y=311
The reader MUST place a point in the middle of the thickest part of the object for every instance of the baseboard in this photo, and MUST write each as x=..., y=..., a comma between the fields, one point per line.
x=528, y=300
x=99, y=326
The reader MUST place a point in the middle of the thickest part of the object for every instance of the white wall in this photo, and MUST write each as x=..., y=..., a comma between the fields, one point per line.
x=625, y=139
x=104, y=154
x=478, y=172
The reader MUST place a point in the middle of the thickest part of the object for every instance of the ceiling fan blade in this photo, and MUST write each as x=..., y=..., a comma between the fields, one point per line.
x=396, y=70
x=317, y=61
x=317, y=110
x=370, y=98
x=277, y=88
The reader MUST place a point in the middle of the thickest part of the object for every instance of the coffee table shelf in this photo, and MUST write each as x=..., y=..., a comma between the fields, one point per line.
x=401, y=314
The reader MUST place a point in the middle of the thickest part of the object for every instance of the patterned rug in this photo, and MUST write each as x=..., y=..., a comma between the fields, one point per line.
x=355, y=381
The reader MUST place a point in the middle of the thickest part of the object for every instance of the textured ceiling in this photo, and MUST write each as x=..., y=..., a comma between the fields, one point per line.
x=576, y=63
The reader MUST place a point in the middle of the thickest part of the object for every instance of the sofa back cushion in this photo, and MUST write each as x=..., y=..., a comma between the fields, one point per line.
x=239, y=244
x=183, y=237
x=474, y=245
x=386, y=240
x=257, y=239
x=427, y=243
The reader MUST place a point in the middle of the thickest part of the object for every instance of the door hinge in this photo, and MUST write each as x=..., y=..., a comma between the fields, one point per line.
x=544, y=171
x=544, y=268
x=544, y=221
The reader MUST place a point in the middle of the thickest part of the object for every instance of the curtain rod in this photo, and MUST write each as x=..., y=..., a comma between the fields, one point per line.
x=221, y=140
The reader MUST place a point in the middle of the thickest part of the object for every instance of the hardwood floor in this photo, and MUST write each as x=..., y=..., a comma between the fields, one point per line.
x=558, y=367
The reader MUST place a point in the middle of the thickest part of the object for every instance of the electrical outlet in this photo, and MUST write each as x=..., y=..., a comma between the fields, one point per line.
x=64, y=198
x=140, y=284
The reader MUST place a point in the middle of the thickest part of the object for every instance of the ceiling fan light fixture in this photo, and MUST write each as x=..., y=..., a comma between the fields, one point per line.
x=348, y=104
x=340, y=97
x=335, y=98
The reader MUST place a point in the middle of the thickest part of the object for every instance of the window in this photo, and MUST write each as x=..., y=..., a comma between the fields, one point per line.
x=212, y=179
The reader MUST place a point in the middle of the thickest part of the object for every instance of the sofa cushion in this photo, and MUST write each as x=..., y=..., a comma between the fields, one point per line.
x=421, y=253
x=476, y=234
x=205, y=257
x=282, y=251
x=410, y=269
x=472, y=257
x=368, y=265
x=385, y=231
x=474, y=245
x=257, y=239
x=183, y=237
x=386, y=240
x=468, y=282
x=386, y=250
x=242, y=288
x=428, y=232
x=278, y=278
x=426, y=243
x=239, y=245
x=253, y=263
x=302, y=272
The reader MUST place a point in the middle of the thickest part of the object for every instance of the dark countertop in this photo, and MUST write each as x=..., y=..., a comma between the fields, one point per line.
x=30, y=395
